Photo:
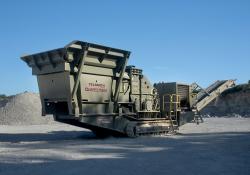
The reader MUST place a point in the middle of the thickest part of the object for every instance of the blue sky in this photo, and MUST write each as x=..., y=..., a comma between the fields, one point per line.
x=171, y=40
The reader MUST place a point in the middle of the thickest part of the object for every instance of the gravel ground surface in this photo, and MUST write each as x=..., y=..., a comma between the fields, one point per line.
x=218, y=146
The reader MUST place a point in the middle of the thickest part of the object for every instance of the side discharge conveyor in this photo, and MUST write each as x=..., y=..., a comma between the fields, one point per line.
x=205, y=96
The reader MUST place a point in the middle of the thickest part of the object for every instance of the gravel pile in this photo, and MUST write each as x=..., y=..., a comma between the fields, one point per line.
x=22, y=109
x=235, y=104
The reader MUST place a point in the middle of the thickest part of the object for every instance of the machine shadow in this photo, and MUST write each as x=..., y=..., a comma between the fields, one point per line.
x=50, y=136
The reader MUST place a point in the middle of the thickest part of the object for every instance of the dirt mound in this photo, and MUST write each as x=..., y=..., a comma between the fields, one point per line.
x=22, y=109
x=233, y=103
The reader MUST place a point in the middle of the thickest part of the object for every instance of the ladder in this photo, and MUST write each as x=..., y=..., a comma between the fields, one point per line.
x=171, y=106
x=197, y=117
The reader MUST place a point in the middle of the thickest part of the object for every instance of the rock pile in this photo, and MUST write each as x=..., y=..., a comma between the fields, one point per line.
x=22, y=109
x=232, y=104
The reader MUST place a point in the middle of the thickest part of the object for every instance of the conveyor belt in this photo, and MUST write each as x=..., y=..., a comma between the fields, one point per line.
x=209, y=94
x=201, y=95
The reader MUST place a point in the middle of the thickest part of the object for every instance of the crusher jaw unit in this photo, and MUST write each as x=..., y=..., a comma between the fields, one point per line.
x=91, y=86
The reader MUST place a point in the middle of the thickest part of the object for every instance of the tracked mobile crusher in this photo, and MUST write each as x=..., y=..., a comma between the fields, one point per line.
x=91, y=86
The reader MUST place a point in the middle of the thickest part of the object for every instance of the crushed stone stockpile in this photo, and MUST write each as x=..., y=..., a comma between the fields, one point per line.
x=232, y=103
x=22, y=109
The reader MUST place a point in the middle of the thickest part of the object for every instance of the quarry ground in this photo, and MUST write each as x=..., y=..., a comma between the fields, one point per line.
x=218, y=146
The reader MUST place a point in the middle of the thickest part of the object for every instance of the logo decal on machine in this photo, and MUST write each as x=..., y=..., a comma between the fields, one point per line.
x=96, y=87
